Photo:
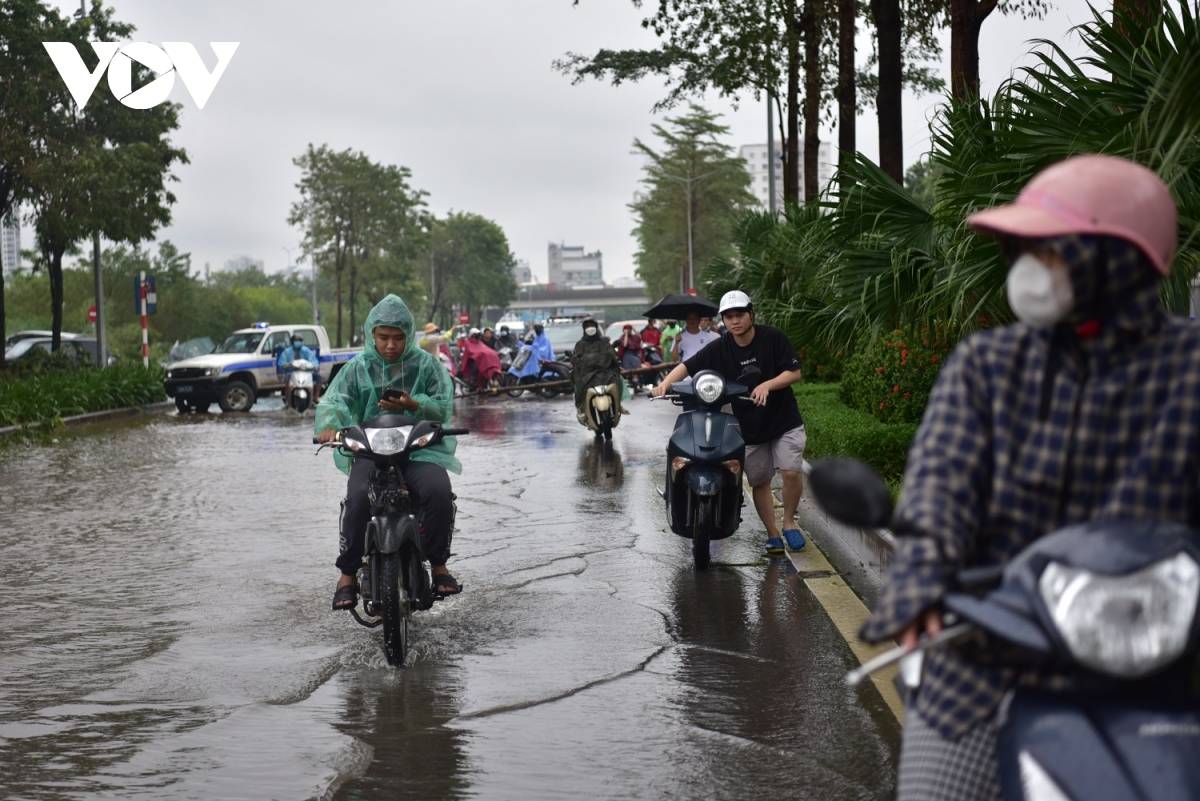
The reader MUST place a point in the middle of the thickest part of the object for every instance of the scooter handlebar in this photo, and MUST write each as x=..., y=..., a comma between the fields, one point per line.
x=455, y=432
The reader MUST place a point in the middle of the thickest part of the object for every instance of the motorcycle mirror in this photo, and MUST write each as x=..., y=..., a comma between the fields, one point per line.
x=851, y=492
x=750, y=374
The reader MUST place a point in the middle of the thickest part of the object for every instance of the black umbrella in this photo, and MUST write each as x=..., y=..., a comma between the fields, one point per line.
x=677, y=306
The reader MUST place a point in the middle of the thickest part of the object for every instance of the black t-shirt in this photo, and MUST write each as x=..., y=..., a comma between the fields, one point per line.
x=770, y=351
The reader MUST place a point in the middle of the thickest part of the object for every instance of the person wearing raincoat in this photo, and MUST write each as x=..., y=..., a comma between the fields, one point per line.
x=542, y=351
x=480, y=364
x=392, y=359
x=594, y=363
x=283, y=364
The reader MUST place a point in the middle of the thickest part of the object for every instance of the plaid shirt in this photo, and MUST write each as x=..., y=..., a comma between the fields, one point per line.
x=1002, y=459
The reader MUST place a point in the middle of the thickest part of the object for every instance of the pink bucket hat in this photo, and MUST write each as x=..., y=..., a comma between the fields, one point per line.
x=1092, y=194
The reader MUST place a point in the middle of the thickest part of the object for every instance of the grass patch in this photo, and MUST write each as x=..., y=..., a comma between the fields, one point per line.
x=40, y=395
x=834, y=429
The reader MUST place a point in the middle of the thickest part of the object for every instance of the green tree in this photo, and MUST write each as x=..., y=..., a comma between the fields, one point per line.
x=881, y=258
x=472, y=264
x=100, y=169
x=739, y=47
x=691, y=153
x=354, y=211
x=27, y=78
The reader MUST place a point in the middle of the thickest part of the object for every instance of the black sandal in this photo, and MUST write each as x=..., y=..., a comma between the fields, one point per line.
x=445, y=580
x=346, y=598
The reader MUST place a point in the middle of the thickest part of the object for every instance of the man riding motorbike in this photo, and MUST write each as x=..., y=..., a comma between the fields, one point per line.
x=507, y=339
x=392, y=360
x=1087, y=407
x=283, y=364
x=594, y=363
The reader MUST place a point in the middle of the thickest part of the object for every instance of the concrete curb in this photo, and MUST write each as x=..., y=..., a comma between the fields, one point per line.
x=101, y=416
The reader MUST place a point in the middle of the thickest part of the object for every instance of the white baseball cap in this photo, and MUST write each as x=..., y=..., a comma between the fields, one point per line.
x=734, y=299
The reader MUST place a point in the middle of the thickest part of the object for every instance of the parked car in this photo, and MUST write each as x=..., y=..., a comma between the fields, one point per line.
x=80, y=348
x=241, y=369
x=563, y=337
x=17, y=337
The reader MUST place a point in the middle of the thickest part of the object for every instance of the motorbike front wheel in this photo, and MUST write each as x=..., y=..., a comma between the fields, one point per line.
x=395, y=619
x=511, y=384
x=704, y=522
x=299, y=404
x=606, y=423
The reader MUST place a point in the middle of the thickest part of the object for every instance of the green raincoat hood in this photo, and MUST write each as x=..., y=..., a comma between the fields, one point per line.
x=354, y=393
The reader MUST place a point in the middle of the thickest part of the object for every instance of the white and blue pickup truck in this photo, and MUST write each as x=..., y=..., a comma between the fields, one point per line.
x=241, y=369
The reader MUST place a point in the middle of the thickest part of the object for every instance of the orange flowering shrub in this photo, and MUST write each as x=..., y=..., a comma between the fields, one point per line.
x=890, y=376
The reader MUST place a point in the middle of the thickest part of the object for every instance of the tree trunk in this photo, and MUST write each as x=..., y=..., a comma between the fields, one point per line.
x=791, y=138
x=812, y=98
x=888, y=100
x=847, y=92
x=337, y=290
x=54, y=269
x=966, y=19
x=1147, y=11
x=353, y=296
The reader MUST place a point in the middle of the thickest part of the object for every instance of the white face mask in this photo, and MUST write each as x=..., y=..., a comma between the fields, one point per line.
x=1040, y=295
x=590, y=331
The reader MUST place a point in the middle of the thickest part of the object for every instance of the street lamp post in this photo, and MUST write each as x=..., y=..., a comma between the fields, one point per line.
x=686, y=182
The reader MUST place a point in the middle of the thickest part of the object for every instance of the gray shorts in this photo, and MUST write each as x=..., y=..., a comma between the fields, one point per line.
x=785, y=452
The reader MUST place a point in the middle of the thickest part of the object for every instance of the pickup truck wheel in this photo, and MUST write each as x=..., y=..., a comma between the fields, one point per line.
x=236, y=397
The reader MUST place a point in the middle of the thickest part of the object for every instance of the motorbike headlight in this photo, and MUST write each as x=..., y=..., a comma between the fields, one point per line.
x=600, y=390
x=1124, y=626
x=386, y=441
x=708, y=387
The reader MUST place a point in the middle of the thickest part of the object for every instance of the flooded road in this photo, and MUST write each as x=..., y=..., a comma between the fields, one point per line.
x=166, y=630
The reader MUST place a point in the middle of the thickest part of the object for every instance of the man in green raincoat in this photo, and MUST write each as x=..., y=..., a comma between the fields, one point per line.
x=392, y=359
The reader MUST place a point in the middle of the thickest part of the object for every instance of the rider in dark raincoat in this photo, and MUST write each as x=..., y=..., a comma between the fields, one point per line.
x=594, y=363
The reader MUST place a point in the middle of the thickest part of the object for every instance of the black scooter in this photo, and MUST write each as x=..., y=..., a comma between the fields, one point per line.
x=1108, y=605
x=393, y=579
x=705, y=457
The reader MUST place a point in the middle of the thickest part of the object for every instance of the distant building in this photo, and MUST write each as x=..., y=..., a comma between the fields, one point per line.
x=756, y=164
x=521, y=272
x=627, y=283
x=10, y=243
x=570, y=266
x=239, y=263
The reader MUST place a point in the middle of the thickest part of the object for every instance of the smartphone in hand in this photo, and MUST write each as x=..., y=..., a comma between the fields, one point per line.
x=392, y=394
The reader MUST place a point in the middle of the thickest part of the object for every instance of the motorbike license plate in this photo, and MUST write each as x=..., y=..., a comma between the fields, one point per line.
x=184, y=389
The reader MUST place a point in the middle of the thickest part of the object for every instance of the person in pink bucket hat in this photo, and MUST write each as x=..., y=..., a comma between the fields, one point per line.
x=1088, y=406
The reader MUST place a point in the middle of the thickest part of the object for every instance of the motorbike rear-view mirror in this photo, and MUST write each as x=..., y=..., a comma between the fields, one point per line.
x=851, y=492
x=750, y=375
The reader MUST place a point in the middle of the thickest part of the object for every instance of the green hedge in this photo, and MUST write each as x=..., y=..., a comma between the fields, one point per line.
x=891, y=375
x=42, y=393
x=834, y=429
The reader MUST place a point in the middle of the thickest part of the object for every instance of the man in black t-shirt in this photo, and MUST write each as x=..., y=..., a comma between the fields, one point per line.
x=771, y=426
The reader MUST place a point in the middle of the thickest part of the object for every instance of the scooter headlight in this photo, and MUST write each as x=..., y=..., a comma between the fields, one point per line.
x=708, y=387
x=386, y=441
x=1124, y=626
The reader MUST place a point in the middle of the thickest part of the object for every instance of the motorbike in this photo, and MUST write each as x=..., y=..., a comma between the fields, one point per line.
x=552, y=372
x=602, y=409
x=393, y=580
x=506, y=356
x=300, y=383
x=705, y=456
x=1109, y=608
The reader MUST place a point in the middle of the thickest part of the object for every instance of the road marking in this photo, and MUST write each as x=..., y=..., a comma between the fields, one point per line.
x=848, y=613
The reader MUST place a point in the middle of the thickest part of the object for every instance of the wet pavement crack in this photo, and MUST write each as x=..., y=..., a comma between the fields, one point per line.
x=500, y=710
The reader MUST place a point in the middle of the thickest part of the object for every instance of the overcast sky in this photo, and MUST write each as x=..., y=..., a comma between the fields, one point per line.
x=463, y=94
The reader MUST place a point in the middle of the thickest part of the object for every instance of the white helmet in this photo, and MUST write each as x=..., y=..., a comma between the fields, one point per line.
x=734, y=299
x=474, y=332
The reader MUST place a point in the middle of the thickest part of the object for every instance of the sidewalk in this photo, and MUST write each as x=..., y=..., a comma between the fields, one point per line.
x=99, y=417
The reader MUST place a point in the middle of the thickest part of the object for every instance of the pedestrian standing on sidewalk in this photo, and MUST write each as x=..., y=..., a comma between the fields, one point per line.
x=771, y=426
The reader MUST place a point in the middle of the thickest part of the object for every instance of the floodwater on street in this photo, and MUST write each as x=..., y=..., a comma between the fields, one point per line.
x=166, y=630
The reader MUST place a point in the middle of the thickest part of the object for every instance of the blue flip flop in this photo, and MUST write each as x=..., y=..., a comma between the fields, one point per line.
x=774, y=546
x=795, y=539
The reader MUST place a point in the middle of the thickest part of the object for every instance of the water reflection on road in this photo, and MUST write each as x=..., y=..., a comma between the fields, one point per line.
x=166, y=588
